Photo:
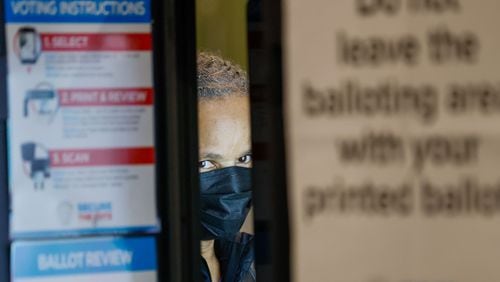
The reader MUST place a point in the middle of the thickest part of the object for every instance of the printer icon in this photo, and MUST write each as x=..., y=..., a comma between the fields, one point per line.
x=43, y=97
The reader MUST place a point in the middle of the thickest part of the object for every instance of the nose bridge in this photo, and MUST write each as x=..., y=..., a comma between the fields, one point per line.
x=226, y=164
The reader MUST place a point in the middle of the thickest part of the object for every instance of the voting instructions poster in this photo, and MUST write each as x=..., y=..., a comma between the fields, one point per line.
x=85, y=260
x=393, y=139
x=81, y=140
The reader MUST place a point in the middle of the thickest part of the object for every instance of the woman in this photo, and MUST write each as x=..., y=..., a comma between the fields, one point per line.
x=225, y=162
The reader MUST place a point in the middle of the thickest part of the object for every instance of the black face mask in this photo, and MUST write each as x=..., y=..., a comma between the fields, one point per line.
x=226, y=196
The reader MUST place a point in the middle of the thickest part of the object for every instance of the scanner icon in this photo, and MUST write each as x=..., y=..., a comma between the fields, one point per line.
x=36, y=161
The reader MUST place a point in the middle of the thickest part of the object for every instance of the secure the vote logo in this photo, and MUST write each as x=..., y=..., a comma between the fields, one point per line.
x=95, y=212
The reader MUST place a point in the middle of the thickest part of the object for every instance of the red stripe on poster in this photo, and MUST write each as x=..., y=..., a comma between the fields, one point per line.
x=106, y=97
x=96, y=42
x=102, y=157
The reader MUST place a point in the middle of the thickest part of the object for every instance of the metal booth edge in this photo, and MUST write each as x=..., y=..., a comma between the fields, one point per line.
x=268, y=141
x=174, y=59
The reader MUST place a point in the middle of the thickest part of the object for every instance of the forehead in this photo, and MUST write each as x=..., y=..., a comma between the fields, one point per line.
x=218, y=109
x=224, y=125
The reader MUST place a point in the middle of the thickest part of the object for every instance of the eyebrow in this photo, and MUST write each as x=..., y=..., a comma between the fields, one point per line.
x=248, y=152
x=212, y=156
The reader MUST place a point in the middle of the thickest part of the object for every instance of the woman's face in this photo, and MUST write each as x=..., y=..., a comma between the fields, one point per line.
x=224, y=133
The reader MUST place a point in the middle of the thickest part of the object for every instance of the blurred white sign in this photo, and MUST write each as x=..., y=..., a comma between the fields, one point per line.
x=392, y=122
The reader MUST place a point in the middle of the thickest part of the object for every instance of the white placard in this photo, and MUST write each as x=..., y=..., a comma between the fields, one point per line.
x=393, y=138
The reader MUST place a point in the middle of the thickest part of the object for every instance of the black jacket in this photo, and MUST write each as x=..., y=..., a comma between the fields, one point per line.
x=236, y=259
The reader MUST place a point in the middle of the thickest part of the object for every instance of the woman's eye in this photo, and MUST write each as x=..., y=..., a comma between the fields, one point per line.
x=246, y=159
x=206, y=165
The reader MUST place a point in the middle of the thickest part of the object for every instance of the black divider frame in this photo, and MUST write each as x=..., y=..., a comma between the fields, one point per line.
x=176, y=139
x=269, y=174
x=4, y=203
x=4, y=191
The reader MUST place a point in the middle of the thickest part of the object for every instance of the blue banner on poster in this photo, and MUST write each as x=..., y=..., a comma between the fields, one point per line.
x=88, y=256
x=78, y=11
